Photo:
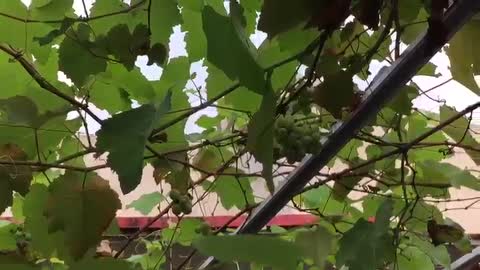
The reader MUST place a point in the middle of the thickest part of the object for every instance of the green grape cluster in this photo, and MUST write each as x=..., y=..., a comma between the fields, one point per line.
x=22, y=238
x=294, y=139
x=182, y=203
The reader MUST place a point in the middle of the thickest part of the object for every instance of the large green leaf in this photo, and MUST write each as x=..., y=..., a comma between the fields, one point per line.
x=233, y=191
x=464, y=55
x=13, y=77
x=317, y=244
x=132, y=82
x=196, y=42
x=445, y=173
x=185, y=233
x=7, y=238
x=124, y=137
x=35, y=221
x=166, y=16
x=12, y=31
x=147, y=202
x=335, y=93
x=102, y=7
x=101, y=263
x=50, y=11
x=260, y=137
x=83, y=206
x=279, y=16
x=368, y=245
x=240, y=99
x=414, y=258
x=49, y=135
x=126, y=46
x=13, y=177
x=269, y=251
x=227, y=50
x=459, y=132
x=76, y=57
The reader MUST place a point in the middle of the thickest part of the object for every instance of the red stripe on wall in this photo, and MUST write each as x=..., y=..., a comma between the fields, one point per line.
x=213, y=221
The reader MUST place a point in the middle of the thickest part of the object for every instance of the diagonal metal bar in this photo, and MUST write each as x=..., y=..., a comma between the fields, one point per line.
x=384, y=88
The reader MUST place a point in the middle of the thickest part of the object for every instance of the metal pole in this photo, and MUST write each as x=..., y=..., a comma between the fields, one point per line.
x=384, y=88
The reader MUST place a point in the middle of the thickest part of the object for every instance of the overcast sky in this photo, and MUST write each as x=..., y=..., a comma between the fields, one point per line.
x=453, y=93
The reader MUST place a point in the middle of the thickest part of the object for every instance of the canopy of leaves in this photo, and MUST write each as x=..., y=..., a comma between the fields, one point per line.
x=218, y=97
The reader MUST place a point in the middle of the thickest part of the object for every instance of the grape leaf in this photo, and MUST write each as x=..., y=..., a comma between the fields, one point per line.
x=459, y=133
x=265, y=250
x=102, y=7
x=76, y=59
x=368, y=245
x=316, y=244
x=438, y=254
x=16, y=262
x=133, y=82
x=13, y=177
x=35, y=221
x=240, y=99
x=227, y=51
x=464, y=56
x=101, y=264
x=367, y=12
x=13, y=77
x=279, y=16
x=21, y=110
x=232, y=191
x=186, y=232
x=124, y=136
x=108, y=96
x=414, y=258
x=83, y=206
x=335, y=93
x=147, y=202
x=196, y=42
x=260, y=137
x=7, y=238
x=52, y=10
x=48, y=38
x=12, y=31
x=408, y=10
x=167, y=15
x=402, y=103
x=269, y=54
x=436, y=172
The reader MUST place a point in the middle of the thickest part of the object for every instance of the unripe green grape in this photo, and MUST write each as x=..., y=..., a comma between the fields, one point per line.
x=177, y=209
x=187, y=207
x=282, y=133
x=28, y=237
x=203, y=229
x=175, y=195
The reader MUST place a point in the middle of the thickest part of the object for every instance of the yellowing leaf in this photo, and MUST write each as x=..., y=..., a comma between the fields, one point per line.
x=83, y=206
x=13, y=177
